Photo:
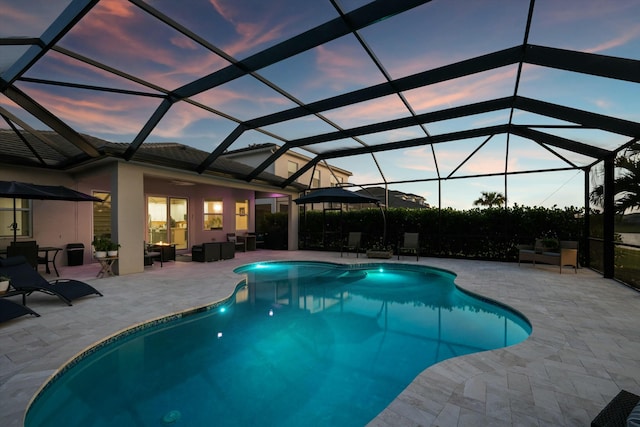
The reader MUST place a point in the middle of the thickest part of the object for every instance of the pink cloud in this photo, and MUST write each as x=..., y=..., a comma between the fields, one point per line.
x=251, y=34
x=112, y=33
x=95, y=114
x=443, y=95
x=24, y=19
x=628, y=35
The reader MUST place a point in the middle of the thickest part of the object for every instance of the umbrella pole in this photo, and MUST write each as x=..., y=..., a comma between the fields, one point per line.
x=14, y=225
x=384, y=225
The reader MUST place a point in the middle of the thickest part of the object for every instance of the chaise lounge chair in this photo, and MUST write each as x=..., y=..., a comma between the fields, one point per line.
x=623, y=410
x=24, y=278
x=11, y=310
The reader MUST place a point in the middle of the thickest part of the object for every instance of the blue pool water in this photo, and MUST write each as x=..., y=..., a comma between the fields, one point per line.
x=298, y=343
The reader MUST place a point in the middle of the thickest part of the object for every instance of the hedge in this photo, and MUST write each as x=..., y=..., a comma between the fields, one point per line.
x=488, y=234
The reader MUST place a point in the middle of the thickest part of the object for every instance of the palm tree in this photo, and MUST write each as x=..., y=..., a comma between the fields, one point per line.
x=490, y=199
x=627, y=183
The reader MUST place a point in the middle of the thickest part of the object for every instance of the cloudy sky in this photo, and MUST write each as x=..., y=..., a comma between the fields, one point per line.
x=122, y=36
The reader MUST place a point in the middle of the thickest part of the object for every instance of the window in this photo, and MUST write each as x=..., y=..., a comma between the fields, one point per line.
x=242, y=217
x=102, y=215
x=335, y=181
x=22, y=217
x=292, y=167
x=315, y=182
x=213, y=214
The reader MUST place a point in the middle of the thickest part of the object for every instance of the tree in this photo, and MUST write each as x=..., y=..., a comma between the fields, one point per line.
x=626, y=184
x=490, y=199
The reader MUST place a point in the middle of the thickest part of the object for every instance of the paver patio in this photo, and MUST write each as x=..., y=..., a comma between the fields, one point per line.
x=584, y=346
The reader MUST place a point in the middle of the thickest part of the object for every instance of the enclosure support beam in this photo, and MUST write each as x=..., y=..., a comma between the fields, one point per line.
x=587, y=220
x=609, y=218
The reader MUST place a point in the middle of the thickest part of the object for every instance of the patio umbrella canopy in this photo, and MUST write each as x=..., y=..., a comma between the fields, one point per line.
x=337, y=195
x=340, y=195
x=22, y=190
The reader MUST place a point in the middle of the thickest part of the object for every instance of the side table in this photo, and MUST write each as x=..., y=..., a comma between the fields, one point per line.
x=106, y=265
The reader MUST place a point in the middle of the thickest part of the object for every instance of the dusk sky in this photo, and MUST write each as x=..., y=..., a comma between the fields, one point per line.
x=121, y=35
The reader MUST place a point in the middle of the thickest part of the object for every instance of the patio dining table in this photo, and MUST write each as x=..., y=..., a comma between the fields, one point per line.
x=46, y=260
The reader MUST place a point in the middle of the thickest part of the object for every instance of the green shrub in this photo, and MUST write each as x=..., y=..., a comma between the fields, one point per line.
x=490, y=234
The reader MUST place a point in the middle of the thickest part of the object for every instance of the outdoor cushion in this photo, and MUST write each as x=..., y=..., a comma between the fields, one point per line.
x=8, y=262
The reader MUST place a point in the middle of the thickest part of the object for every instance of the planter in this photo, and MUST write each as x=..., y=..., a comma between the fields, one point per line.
x=101, y=254
x=112, y=253
x=379, y=254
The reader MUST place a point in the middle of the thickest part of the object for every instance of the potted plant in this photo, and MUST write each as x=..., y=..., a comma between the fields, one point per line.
x=4, y=283
x=113, y=249
x=380, y=250
x=101, y=245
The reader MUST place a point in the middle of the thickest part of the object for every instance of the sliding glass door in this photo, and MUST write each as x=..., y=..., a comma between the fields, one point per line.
x=167, y=221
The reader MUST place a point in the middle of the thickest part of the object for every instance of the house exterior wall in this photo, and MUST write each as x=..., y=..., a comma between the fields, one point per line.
x=196, y=195
x=57, y=223
x=254, y=157
x=54, y=223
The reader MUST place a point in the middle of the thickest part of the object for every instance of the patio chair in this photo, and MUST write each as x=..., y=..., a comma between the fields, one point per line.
x=410, y=244
x=28, y=249
x=238, y=241
x=205, y=252
x=353, y=243
x=11, y=310
x=150, y=255
x=26, y=279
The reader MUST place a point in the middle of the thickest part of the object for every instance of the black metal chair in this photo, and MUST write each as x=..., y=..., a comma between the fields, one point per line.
x=27, y=249
x=237, y=241
x=353, y=243
x=411, y=244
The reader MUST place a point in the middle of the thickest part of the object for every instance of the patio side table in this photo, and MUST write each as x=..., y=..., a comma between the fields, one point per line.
x=106, y=266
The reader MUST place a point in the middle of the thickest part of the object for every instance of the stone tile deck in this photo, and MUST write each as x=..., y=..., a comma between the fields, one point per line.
x=584, y=346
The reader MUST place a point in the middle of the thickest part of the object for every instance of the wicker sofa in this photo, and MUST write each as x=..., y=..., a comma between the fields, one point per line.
x=212, y=251
x=566, y=255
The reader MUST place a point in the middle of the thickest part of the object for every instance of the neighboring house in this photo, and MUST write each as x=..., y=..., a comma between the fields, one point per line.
x=397, y=199
x=324, y=175
x=155, y=196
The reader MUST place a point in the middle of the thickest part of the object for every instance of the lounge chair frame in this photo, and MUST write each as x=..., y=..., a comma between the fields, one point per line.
x=617, y=410
x=11, y=310
x=27, y=280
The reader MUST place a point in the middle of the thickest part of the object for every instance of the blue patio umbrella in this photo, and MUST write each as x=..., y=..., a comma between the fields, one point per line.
x=22, y=190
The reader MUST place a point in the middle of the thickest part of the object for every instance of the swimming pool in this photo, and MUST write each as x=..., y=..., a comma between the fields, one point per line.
x=298, y=343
